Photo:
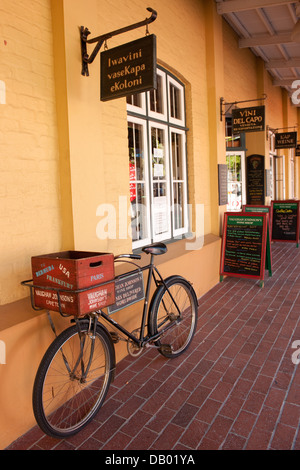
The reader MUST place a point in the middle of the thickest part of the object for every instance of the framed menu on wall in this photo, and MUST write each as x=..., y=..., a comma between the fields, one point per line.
x=255, y=181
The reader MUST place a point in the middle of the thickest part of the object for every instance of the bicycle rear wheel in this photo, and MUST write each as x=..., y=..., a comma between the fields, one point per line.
x=72, y=380
x=175, y=309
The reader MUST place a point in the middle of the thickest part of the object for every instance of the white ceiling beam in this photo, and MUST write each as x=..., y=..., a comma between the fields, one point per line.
x=284, y=81
x=231, y=6
x=265, y=40
x=282, y=64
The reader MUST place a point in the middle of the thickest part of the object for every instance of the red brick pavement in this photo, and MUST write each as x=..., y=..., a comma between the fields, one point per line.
x=235, y=388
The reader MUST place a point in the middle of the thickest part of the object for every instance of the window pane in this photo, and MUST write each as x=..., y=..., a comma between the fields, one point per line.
x=158, y=154
x=234, y=168
x=160, y=188
x=135, y=100
x=136, y=151
x=137, y=176
x=156, y=97
x=175, y=102
x=231, y=139
x=177, y=156
x=179, y=183
x=139, y=213
x=178, y=207
x=160, y=209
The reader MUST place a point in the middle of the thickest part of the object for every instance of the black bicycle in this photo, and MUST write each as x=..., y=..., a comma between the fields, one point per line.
x=75, y=373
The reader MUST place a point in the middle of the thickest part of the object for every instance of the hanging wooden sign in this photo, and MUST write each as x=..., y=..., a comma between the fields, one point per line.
x=244, y=245
x=248, y=119
x=129, y=69
x=286, y=140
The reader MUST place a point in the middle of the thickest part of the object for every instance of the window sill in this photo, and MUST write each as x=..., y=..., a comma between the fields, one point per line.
x=177, y=248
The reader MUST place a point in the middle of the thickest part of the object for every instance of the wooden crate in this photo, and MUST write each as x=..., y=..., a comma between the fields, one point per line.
x=68, y=272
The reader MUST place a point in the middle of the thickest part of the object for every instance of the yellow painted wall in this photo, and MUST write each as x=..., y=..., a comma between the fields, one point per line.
x=29, y=191
x=240, y=82
x=98, y=131
x=64, y=153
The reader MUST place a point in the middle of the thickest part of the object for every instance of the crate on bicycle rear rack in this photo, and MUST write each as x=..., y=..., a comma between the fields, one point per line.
x=77, y=281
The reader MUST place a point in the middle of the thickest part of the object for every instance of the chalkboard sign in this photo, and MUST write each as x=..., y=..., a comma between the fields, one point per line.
x=255, y=182
x=266, y=210
x=285, y=221
x=244, y=245
x=260, y=208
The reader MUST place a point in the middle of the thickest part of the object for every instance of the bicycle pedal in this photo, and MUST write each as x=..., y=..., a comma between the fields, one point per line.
x=114, y=336
x=166, y=348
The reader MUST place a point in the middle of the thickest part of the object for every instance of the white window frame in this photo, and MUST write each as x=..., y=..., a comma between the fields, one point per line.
x=138, y=109
x=184, y=229
x=179, y=122
x=164, y=122
x=152, y=114
x=243, y=172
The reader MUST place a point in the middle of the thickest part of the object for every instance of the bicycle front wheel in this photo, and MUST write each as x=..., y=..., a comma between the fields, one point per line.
x=72, y=380
x=173, y=314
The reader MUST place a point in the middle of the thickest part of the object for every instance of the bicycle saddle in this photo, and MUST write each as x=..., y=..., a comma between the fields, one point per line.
x=155, y=249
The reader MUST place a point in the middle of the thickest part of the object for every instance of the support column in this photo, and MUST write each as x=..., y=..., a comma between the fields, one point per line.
x=62, y=124
x=257, y=142
x=215, y=90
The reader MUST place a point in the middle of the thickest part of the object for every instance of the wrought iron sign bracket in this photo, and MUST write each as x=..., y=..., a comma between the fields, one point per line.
x=274, y=131
x=223, y=103
x=84, y=33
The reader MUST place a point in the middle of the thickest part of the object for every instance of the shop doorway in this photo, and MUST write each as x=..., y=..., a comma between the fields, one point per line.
x=236, y=180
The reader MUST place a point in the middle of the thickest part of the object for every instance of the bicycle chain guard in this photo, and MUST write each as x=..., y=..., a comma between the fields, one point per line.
x=133, y=349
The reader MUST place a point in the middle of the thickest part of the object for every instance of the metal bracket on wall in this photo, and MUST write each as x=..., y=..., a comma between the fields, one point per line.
x=84, y=33
x=223, y=103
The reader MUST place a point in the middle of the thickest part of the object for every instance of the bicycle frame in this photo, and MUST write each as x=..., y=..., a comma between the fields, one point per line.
x=142, y=340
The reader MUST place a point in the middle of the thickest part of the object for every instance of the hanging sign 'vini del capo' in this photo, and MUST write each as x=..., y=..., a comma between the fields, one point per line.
x=128, y=69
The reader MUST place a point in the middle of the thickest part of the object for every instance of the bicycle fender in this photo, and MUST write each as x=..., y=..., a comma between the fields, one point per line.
x=107, y=334
x=162, y=287
x=177, y=276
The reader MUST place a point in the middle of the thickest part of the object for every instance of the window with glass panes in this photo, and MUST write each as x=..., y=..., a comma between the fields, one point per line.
x=157, y=162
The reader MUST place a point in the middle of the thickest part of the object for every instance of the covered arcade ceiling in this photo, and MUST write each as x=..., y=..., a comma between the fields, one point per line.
x=271, y=29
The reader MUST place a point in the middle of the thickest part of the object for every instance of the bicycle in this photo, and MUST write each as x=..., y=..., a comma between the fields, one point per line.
x=77, y=369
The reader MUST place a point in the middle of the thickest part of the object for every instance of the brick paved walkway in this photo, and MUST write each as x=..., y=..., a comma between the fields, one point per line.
x=235, y=388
